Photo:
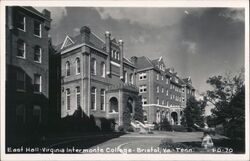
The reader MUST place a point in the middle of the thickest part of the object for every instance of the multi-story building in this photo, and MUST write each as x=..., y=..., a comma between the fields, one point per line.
x=27, y=69
x=95, y=76
x=163, y=92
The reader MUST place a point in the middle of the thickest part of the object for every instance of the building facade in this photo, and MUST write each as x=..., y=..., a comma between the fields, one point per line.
x=27, y=68
x=163, y=92
x=96, y=77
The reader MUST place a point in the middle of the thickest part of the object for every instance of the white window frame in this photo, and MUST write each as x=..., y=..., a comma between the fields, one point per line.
x=66, y=100
x=78, y=93
x=157, y=76
x=126, y=76
x=131, y=78
x=77, y=62
x=24, y=49
x=142, y=89
x=67, y=67
x=157, y=89
x=143, y=76
x=40, y=29
x=157, y=100
x=95, y=98
x=40, y=54
x=40, y=80
x=103, y=69
x=144, y=100
x=24, y=23
x=93, y=60
x=162, y=90
x=104, y=99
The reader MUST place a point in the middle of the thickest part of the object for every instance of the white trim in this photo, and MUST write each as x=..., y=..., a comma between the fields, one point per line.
x=40, y=29
x=115, y=64
x=168, y=107
x=65, y=41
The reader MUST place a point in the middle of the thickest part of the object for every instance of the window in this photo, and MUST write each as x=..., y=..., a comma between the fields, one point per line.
x=21, y=49
x=93, y=66
x=166, y=92
x=158, y=100
x=115, y=53
x=21, y=22
x=157, y=76
x=37, y=114
x=67, y=68
x=142, y=76
x=78, y=66
x=20, y=80
x=163, y=102
x=20, y=114
x=167, y=103
x=183, y=99
x=131, y=78
x=112, y=53
x=93, y=98
x=162, y=77
x=157, y=89
x=162, y=90
x=118, y=55
x=167, y=80
x=37, y=54
x=125, y=76
x=143, y=89
x=78, y=96
x=144, y=101
x=102, y=99
x=37, y=83
x=68, y=99
x=37, y=29
x=103, y=69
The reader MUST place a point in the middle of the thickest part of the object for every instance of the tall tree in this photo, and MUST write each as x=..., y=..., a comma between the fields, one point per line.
x=228, y=98
x=193, y=113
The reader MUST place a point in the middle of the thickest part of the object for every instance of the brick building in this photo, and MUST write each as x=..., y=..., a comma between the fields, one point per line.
x=27, y=68
x=163, y=92
x=95, y=75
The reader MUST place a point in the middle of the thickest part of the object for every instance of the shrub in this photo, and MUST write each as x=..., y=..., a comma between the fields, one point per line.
x=121, y=128
x=130, y=129
x=179, y=128
x=165, y=125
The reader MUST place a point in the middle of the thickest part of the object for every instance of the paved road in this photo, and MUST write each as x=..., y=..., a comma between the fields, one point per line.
x=129, y=143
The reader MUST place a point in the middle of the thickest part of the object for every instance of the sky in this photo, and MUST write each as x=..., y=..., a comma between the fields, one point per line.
x=196, y=42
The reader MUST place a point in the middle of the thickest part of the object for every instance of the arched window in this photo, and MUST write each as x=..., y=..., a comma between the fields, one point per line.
x=67, y=68
x=68, y=99
x=131, y=78
x=93, y=66
x=103, y=69
x=37, y=54
x=93, y=98
x=118, y=55
x=125, y=76
x=78, y=67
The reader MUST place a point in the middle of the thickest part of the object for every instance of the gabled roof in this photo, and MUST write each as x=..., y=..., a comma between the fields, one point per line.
x=94, y=41
x=36, y=12
x=67, y=42
x=143, y=62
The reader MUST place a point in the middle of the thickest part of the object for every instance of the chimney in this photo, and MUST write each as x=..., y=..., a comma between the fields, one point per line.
x=121, y=58
x=108, y=50
x=85, y=33
x=47, y=15
x=134, y=60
